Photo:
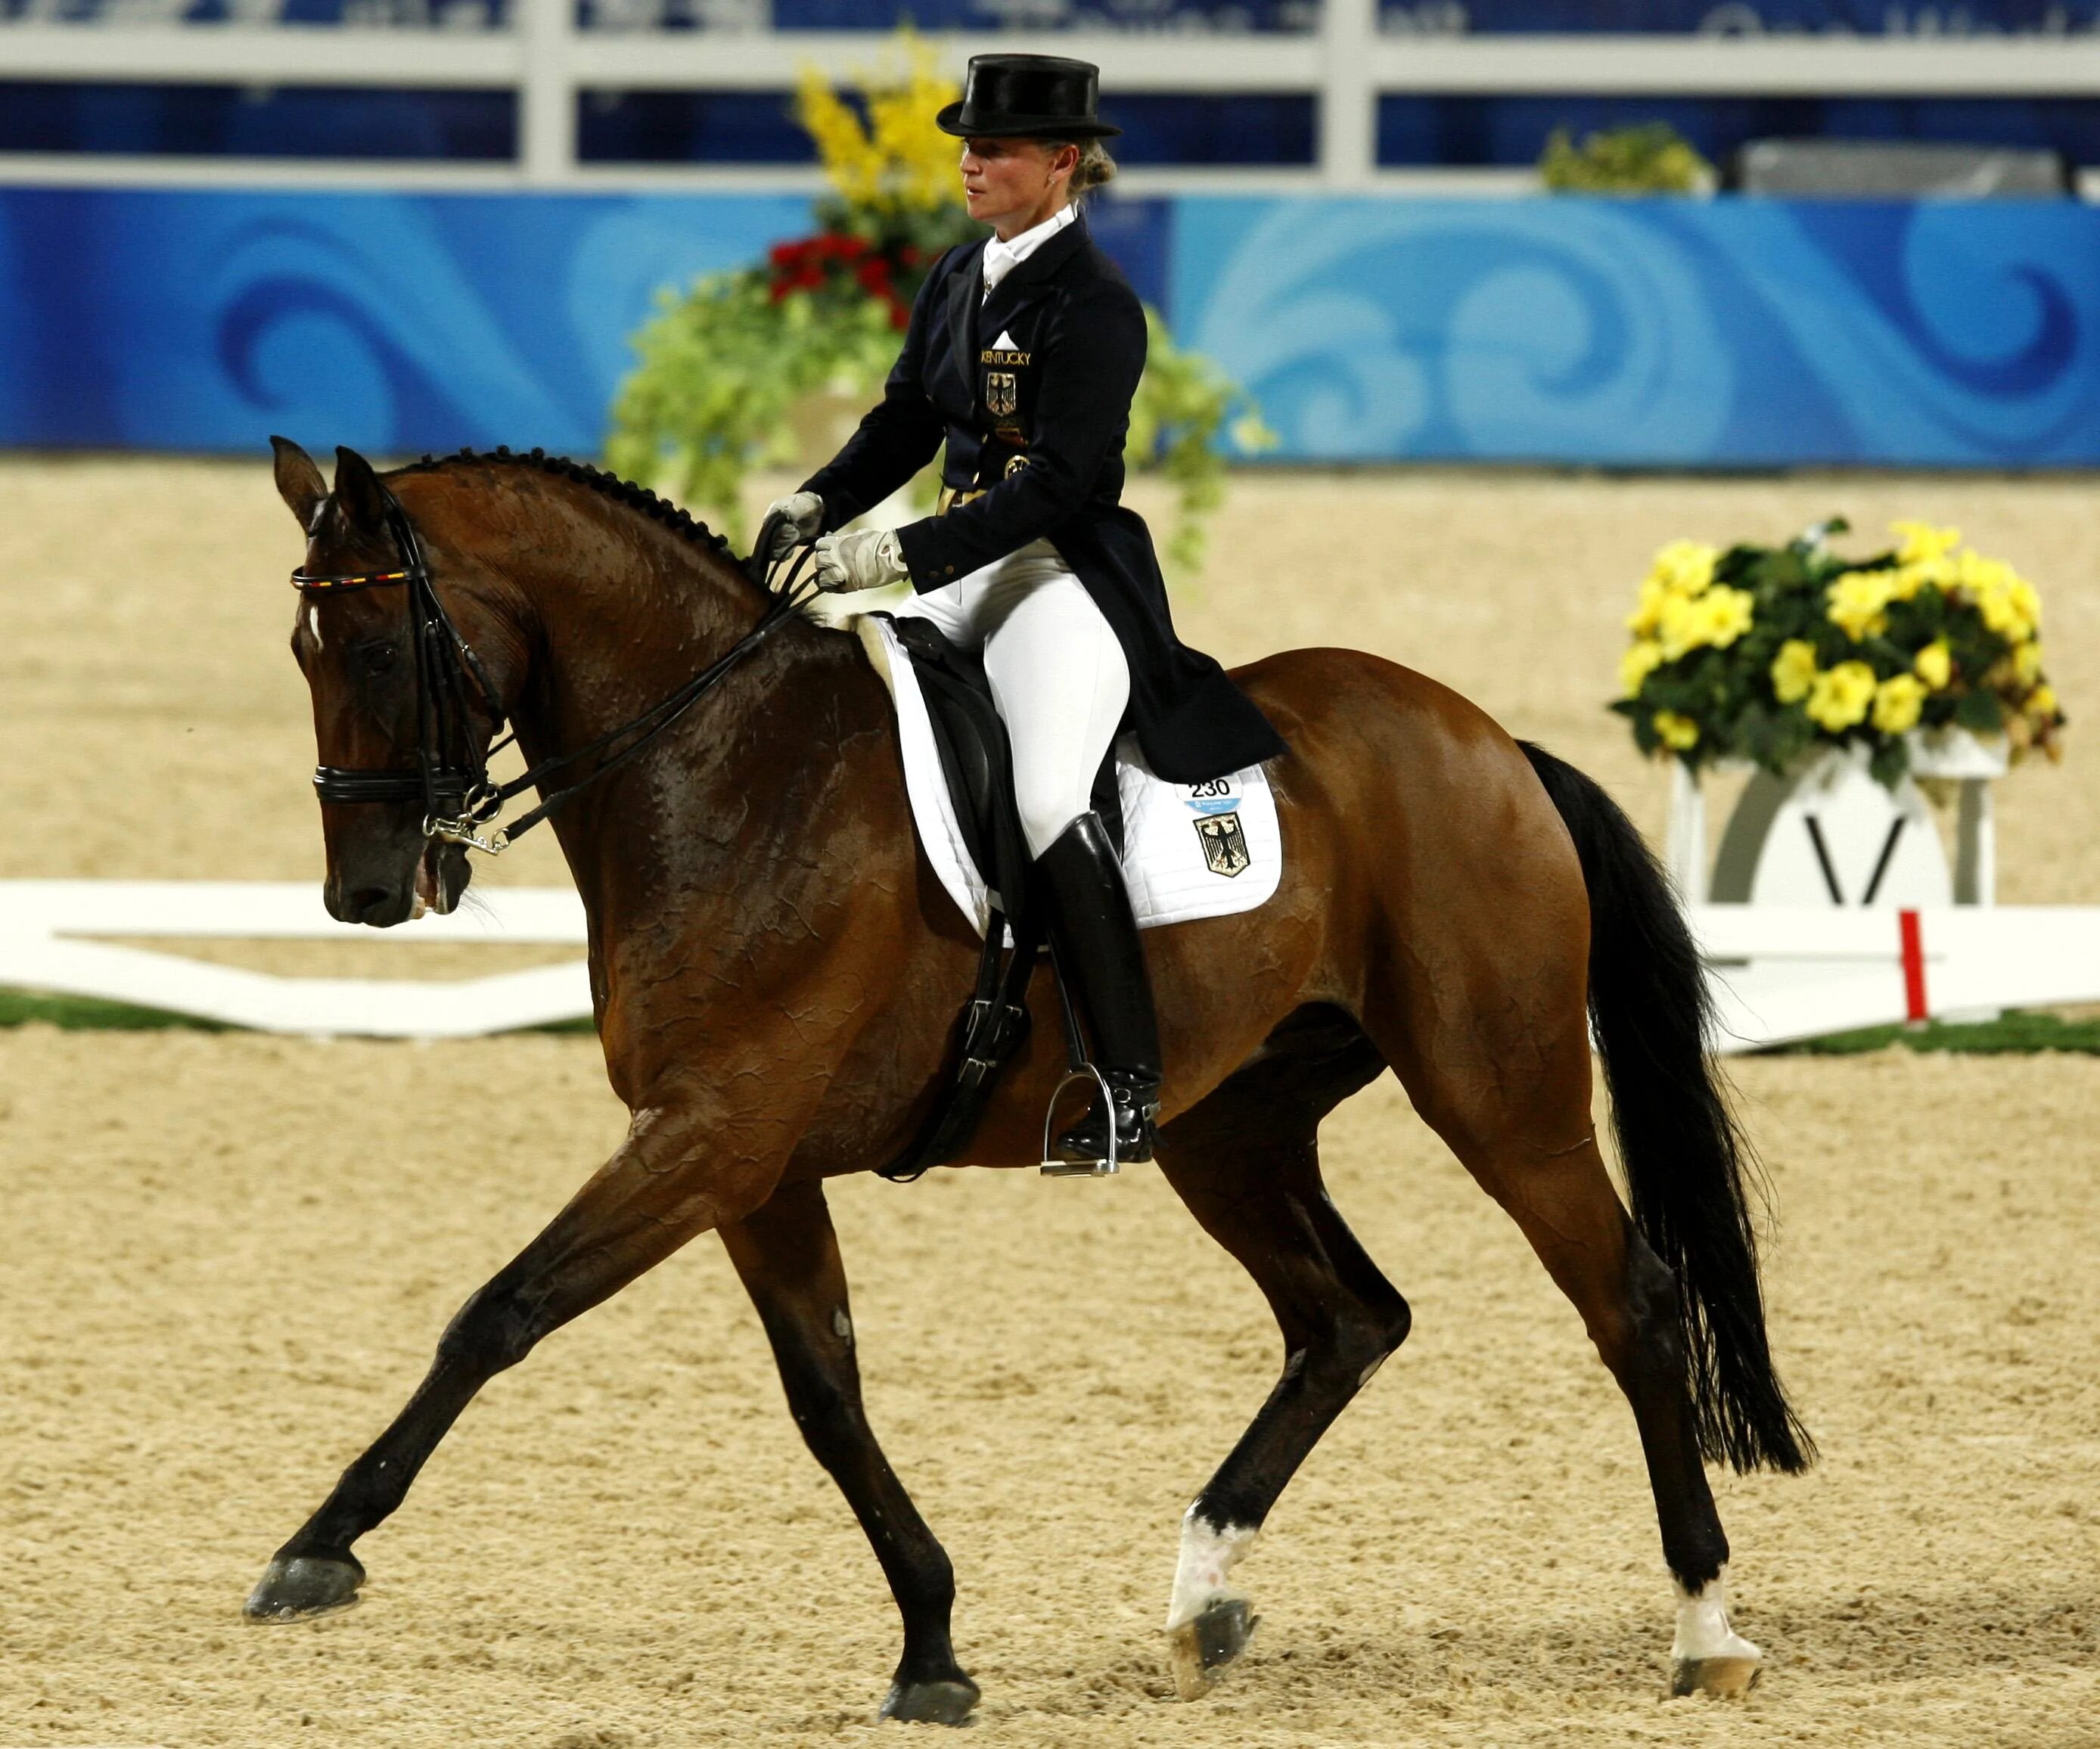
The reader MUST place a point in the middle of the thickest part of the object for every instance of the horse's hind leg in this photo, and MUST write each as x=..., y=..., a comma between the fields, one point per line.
x=1516, y=1112
x=1247, y=1162
x=788, y=1255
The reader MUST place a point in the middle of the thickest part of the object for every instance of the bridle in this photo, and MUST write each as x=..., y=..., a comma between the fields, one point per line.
x=461, y=804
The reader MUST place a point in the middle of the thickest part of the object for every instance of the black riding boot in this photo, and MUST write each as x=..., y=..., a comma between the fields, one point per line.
x=1094, y=936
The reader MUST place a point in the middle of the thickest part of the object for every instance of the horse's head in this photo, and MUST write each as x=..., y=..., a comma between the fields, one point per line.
x=383, y=719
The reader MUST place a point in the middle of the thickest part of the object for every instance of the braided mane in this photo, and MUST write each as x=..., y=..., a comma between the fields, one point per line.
x=679, y=521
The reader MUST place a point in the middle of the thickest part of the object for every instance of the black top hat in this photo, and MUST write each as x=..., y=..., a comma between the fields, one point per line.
x=1029, y=97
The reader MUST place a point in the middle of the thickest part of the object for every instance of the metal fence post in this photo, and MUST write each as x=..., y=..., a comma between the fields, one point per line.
x=547, y=93
x=1348, y=93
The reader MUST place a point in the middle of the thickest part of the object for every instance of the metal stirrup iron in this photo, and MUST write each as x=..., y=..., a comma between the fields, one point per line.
x=1054, y=1167
x=1081, y=1068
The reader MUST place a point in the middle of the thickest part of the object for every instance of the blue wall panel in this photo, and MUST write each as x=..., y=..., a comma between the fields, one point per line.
x=394, y=322
x=1677, y=333
x=1686, y=333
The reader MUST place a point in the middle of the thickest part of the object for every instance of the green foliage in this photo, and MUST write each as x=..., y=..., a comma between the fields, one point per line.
x=717, y=372
x=721, y=368
x=1183, y=404
x=1652, y=158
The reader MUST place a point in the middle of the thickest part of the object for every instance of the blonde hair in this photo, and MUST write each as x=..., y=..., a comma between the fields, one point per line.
x=1095, y=169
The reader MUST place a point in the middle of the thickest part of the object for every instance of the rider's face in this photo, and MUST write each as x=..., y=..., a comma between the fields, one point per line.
x=1015, y=184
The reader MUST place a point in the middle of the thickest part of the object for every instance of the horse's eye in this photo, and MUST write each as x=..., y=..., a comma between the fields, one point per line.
x=378, y=658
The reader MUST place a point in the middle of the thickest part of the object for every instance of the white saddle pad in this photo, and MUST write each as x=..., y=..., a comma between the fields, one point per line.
x=1190, y=850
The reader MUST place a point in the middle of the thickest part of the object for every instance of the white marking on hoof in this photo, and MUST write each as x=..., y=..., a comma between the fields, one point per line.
x=1707, y=1656
x=1208, y=1554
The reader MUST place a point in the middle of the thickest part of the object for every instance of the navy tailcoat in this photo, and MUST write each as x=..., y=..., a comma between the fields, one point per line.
x=1038, y=426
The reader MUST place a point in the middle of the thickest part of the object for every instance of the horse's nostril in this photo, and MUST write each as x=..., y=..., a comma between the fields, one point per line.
x=368, y=900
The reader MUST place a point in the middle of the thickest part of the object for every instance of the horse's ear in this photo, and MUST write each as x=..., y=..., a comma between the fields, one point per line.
x=358, y=494
x=299, y=482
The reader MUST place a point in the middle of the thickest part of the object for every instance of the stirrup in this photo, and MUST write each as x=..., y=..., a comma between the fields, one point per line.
x=1055, y=1166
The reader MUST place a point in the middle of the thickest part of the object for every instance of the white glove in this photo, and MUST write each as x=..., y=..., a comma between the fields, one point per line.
x=804, y=514
x=870, y=559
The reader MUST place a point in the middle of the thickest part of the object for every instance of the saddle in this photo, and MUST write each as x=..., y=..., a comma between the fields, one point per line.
x=977, y=761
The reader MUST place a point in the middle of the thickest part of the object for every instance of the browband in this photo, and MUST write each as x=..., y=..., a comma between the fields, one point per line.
x=369, y=580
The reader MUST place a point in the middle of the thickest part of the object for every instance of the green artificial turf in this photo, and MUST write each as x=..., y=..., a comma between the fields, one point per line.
x=87, y=1013
x=2011, y=1034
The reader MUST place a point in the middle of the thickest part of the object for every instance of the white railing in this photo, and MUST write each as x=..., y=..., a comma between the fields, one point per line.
x=1778, y=973
x=547, y=60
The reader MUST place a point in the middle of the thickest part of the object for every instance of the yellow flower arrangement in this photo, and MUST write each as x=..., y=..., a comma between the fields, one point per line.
x=1794, y=671
x=1898, y=702
x=1714, y=619
x=1679, y=734
x=1766, y=652
x=1860, y=601
x=898, y=158
x=1840, y=696
x=1921, y=544
x=1643, y=657
x=1681, y=570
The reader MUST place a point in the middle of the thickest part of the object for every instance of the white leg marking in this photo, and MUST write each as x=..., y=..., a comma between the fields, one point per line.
x=1208, y=1554
x=1702, y=1626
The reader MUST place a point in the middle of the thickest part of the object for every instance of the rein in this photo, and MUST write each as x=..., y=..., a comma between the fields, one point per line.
x=452, y=767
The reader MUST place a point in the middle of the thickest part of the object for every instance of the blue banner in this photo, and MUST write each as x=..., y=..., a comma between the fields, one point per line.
x=1670, y=333
x=399, y=323
x=1658, y=332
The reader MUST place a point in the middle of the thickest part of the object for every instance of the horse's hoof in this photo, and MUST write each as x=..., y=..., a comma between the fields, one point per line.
x=1203, y=1649
x=304, y=1585
x=1723, y=1677
x=947, y=1700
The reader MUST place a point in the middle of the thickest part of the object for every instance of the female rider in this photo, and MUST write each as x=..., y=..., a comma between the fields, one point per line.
x=1022, y=354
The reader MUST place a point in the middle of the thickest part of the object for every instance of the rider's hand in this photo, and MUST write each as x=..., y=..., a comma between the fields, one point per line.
x=803, y=520
x=868, y=559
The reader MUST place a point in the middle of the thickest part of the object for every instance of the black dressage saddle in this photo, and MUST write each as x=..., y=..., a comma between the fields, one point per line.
x=977, y=761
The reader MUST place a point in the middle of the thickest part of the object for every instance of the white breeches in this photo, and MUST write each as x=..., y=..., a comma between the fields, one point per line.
x=1058, y=675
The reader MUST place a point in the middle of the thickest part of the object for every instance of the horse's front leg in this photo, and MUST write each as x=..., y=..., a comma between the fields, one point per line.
x=661, y=1187
x=787, y=1255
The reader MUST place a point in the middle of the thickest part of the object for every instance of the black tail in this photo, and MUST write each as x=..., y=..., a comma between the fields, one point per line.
x=1689, y=1170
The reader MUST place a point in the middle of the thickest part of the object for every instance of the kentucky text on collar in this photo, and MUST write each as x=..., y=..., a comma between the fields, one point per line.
x=994, y=356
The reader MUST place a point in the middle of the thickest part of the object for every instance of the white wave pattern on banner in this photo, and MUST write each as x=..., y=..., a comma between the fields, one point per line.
x=336, y=323
x=1372, y=328
x=1994, y=355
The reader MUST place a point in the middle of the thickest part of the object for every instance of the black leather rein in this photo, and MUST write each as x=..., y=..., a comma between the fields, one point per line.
x=461, y=805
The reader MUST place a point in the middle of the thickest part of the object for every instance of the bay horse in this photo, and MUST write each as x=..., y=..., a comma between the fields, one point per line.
x=775, y=970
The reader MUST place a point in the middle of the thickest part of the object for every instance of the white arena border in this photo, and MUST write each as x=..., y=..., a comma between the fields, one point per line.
x=42, y=924
x=1778, y=975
